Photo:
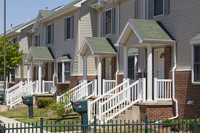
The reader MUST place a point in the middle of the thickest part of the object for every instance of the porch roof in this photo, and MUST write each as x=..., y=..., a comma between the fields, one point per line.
x=25, y=62
x=64, y=58
x=145, y=31
x=97, y=46
x=39, y=54
x=195, y=40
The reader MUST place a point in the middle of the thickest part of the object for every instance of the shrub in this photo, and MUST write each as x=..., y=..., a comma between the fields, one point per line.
x=44, y=102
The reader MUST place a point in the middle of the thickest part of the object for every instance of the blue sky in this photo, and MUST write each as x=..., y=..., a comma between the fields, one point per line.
x=20, y=11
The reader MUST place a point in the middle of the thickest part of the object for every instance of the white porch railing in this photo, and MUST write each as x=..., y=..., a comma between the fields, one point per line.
x=93, y=107
x=83, y=90
x=14, y=97
x=162, y=89
x=120, y=101
x=46, y=86
x=108, y=85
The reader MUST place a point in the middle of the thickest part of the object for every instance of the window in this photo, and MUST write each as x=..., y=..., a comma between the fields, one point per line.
x=37, y=40
x=11, y=77
x=197, y=63
x=50, y=34
x=63, y=72
x=158, y=7
x=69, y=27
x=109, y=21
x=132, y=67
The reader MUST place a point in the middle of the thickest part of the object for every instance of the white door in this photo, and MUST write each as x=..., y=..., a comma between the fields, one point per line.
x=159, y=63
x=108, y=69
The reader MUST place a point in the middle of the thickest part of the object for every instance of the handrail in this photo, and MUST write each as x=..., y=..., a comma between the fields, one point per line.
x=93, y=107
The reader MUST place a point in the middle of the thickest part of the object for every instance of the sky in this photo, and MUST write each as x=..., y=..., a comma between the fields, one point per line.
x=20, y=11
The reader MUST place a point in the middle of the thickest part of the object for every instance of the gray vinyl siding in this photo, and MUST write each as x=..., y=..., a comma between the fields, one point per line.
x=183, y=24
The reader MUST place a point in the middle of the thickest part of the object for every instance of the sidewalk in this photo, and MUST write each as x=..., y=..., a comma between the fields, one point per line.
x=15, y=123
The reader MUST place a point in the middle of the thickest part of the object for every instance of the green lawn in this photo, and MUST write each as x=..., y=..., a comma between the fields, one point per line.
x=23, y=113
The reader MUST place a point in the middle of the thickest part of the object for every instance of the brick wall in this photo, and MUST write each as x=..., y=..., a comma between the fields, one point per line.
x=184, y=91
x=156, y=112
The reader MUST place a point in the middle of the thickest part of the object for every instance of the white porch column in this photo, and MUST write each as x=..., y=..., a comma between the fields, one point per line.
x=125, y=63
x=32, y=70
x=84, y=68
x=99, y=74
x=135, y=66
x=39, y=77
x=149, y=73
x=28, y=73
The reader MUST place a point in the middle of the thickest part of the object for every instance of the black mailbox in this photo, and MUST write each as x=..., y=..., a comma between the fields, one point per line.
x=80, y=106
x=28, y=100
x=2, y=97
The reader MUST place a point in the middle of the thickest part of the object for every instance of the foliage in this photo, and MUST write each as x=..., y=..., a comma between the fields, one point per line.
x=44, y=102
x=13, y=55
x=61, y=109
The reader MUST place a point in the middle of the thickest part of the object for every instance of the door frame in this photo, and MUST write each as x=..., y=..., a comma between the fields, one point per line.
x=156, y=62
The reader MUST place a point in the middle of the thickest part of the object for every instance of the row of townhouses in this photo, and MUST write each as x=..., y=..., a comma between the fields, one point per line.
x=143, y=54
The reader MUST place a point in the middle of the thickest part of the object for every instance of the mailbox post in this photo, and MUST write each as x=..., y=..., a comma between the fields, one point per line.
x=2, y=97
x=80, y=106
x=28, y=100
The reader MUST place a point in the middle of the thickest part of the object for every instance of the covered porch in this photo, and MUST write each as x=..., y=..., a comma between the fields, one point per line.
x=42, y=68
x=105, y=56
x=154, y=57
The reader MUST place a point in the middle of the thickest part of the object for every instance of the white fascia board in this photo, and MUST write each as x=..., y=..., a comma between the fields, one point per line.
x=29, y=54
x=121, y=35
x=159, y=41
x=136, y=33
x=80, y=3
x=79, y=53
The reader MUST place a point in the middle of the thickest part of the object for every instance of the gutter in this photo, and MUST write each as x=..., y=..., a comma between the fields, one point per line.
x=173, y=84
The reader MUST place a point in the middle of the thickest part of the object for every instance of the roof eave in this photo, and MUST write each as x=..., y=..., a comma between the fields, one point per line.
x=193, y=42
x=158, y=41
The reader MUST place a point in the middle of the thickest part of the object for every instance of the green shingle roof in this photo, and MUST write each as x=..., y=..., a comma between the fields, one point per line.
x=100, y=45
x=20, y=26
x=149, y=30
x=46, y=13
x=197, y=37
x=41, y=53
x=132, y=50
x=64, y=57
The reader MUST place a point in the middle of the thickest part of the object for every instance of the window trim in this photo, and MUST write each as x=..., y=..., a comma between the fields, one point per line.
x=52, y=34
x=193, y=61
x=163, y=13
x=63, y=71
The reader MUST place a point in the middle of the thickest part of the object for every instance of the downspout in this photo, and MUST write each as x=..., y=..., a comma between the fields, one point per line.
x=173, y=83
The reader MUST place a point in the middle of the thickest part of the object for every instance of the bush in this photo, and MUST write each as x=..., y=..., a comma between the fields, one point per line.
x=44, y=102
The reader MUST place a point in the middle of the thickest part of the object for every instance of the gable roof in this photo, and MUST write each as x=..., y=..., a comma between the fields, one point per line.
x=64, y=58
x=46, y=13
x=40, y=54
x=195, y=40
x=97, y=46
x=146, y=31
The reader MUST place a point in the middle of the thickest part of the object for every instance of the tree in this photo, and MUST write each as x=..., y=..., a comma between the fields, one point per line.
x=13, y=55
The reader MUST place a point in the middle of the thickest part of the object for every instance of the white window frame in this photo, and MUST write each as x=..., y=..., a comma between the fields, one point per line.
x=193, y=61
x=70, y=28
x=63, y=71
x=163, y=9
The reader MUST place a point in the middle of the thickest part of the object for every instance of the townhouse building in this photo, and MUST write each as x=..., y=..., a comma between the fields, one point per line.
x=139, y=54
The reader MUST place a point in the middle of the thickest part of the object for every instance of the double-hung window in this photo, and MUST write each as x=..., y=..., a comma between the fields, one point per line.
x=69, y=27
x=196, y=68
x=158, y=7
x=15, y=39
x=37, y=40
x=50, y=33
x=64, y=72
x=109, y=21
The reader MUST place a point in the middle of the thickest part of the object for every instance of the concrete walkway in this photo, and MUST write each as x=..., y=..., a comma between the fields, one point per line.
x=14, y=123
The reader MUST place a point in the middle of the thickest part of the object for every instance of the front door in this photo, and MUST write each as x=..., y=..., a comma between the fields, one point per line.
x=159, y=63
x=108, y=69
